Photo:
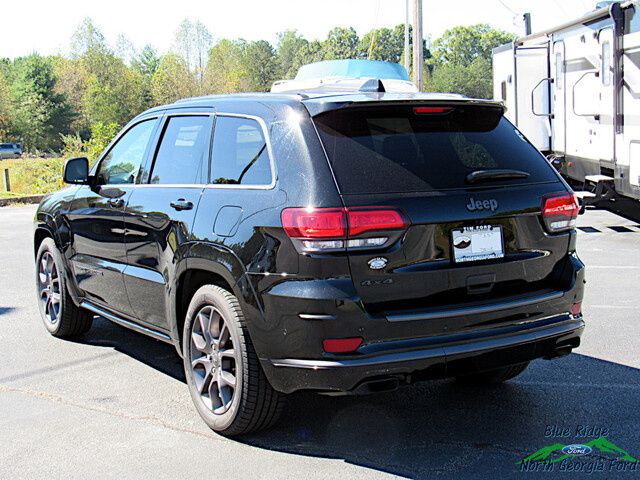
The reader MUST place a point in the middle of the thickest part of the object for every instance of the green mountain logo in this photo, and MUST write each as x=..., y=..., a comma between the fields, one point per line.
x=553, y=453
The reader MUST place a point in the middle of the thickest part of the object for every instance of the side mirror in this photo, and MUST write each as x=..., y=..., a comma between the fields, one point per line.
x=76, y=171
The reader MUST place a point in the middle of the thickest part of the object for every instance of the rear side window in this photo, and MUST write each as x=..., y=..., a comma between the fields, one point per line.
x=240, y=153
x=182, y=157
x=393, y=149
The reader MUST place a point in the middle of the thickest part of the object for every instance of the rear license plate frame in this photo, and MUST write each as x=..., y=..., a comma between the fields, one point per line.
x=483, y=242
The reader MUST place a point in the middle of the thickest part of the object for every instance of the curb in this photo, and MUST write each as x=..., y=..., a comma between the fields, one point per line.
x=25, y=200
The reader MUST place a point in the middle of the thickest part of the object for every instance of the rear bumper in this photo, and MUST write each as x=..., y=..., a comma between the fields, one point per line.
x=409, y=361
x=407, y=345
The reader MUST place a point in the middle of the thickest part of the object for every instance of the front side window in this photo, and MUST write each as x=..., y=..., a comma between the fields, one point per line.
x=182, y=158
x=240, y=153
x=122, y=163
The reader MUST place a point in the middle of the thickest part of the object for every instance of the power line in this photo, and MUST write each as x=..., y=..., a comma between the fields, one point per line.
x=507, y=7
x=559, y=4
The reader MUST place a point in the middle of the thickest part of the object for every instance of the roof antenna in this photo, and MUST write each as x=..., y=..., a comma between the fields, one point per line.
x=381, y=87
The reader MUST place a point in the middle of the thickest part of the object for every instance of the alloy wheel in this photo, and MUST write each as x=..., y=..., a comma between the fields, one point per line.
x=49, y=287
x=214, y=360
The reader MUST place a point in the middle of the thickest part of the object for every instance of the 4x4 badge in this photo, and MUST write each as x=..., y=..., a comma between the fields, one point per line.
x=377, y=263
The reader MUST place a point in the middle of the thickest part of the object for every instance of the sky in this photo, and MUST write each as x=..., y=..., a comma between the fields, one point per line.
x=46, y=26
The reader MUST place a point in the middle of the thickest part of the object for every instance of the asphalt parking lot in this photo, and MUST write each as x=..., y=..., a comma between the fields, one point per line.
x=113, y=404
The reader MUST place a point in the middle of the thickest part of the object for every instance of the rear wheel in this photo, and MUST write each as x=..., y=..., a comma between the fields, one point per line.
x=499, y=375
x=226, y=381
x=60, y=315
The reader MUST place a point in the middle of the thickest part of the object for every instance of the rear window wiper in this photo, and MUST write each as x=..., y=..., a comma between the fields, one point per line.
x=495, y=174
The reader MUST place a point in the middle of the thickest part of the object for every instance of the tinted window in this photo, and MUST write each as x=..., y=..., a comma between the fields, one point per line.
x=122, y=163
x=240, y=153
x=184, y=151
x=392, y=149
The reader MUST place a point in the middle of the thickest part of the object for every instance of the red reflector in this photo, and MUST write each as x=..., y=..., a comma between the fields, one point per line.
x=341, y=345
x=314, y=222
x=576, y=309
x=423, y=110
x=562, y=205
x=363, y=220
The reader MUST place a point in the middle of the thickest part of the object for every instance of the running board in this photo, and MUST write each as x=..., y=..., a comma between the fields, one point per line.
x=126, y=323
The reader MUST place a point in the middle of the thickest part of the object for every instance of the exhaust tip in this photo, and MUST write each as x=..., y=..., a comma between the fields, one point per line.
x=377, y=386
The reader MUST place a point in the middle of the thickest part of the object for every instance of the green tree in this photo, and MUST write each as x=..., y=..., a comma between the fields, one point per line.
x=114, y=92
x=193, y=41
x=41, y=114
x=260, y=64
x=311, y=52
x=71, y=81
x=226, y=69
x=340, y=43
x=5, y=105
x=125, y=50
x=289, y=46
x=473, y=80
x=86, y=37
x=172, y=80
x=147, y=61
x=462, y=60
x=381, y=44
x=462, y=45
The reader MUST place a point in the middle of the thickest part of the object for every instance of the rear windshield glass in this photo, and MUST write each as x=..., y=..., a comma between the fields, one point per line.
x=393, y=149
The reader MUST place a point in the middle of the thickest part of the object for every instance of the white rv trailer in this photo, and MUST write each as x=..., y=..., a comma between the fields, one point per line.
x=574, y=91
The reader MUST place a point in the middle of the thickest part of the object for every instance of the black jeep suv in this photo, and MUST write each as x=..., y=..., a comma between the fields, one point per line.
x=335, y=242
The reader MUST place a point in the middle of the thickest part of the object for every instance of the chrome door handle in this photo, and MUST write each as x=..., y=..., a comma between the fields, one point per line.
x=181, y=204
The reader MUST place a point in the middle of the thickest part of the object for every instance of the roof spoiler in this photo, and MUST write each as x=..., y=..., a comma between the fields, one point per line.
x=343, y=84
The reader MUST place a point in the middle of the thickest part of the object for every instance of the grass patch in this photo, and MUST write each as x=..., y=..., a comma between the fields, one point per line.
x=32, y=176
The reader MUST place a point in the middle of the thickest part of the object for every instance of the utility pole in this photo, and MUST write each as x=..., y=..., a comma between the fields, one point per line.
x=527, y=24
x=407, y=53
x=418, y=59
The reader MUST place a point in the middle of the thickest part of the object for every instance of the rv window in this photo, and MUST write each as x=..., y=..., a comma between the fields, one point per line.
x=606, y=64
x=559, y=71
x=503, y=90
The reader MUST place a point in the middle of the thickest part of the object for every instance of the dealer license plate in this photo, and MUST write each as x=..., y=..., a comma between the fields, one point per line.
x=477, y=243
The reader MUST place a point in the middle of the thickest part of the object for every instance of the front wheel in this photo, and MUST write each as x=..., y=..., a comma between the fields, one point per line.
x=225, y=379
x=60, y=315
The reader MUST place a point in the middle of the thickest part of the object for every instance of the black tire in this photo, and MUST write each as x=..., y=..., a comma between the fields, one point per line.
x=67, y=320
x=492, y=377
x=254, y=404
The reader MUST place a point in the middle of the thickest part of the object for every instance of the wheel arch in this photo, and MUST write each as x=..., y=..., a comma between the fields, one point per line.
x=41, y=232
x=224, y=272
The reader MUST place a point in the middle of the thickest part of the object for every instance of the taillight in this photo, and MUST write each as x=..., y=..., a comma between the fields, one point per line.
x=576, y=309
x=560, y=211
x=362, y=220
x=314, y=222
x=331, y=229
